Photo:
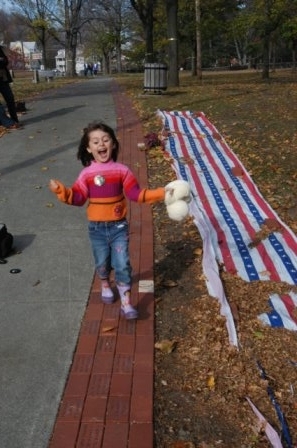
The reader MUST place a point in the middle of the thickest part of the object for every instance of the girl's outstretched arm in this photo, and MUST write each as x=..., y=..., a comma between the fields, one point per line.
x=63, y=193
x=151, y=196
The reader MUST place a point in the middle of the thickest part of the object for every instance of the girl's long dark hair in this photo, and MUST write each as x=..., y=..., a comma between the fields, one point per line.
x=86, y=157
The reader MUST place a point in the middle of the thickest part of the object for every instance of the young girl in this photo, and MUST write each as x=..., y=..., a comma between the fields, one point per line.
x=106, y=184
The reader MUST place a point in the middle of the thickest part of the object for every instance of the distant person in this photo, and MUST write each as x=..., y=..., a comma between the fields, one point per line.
x=90, y=68
x=95, y=68
x=105, y=184
x=85, y=69
x=5, y=90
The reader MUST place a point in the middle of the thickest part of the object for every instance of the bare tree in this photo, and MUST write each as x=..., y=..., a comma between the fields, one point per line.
x=12, y=27
x=36, y=18
x=59, y=19
x=113, y=15
x=99, y=41
x=107, y=30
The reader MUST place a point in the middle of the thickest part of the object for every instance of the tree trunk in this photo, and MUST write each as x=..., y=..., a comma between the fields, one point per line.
x=149, y=35
x=119, y=53
x=106, y=64
x=44, y=49
x=194, y=63
x=294, y=48
x=145, y=11
x=266, y=45
x=198, y=40
x=68, y=61
x=70, y=55
x=72, y=26
x=171, y=9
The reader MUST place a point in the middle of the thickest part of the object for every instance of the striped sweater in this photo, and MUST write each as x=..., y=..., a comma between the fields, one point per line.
x=106, y=186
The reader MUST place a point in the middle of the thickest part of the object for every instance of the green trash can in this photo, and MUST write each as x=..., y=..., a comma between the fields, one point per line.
x=155, y=77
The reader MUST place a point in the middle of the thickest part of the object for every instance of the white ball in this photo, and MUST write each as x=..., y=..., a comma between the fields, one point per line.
x=178, y=210
x=177, y=189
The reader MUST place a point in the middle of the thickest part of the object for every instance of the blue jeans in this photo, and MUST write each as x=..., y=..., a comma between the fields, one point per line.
x=4, y=119
x=110, y=245
x=8, y=96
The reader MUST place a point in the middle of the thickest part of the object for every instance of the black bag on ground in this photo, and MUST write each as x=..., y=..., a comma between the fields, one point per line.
x=6, y=241
x=21, y=106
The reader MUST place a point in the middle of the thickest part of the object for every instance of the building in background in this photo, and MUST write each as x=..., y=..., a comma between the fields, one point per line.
x=29, y=52
x=79, y=65
x=61, y=62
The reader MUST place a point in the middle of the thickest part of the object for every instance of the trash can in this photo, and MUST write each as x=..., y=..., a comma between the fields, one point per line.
x=155, y=77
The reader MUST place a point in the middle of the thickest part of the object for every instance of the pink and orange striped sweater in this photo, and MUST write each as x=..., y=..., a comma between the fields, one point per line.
x=106, y=186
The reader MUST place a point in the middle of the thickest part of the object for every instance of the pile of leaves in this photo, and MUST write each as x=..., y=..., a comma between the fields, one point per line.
x=3, y=131
x=202, y=382
x=152, y=140
x=204, y=386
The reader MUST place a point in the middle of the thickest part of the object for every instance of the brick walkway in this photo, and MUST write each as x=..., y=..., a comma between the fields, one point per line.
x=108, y=398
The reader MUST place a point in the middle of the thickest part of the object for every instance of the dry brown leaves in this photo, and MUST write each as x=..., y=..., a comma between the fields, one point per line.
x=201, y=386
x=3, y=131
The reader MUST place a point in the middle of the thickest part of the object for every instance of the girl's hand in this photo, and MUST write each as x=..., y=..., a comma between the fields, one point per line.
x=63, y=193
x=53, y=185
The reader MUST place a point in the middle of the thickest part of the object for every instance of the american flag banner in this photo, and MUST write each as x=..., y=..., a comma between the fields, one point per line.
x=231, y=215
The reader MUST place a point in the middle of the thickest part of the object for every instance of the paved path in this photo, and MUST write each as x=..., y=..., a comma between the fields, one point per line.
x=73, y=374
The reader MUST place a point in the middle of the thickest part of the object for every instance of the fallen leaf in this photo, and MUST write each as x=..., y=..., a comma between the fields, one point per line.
x=216, y=136
x=272, y=224
x=169, y=283
x=237, y=171
x=265, y=273
x=166, y=346
x=211, y=382
x=234, y=311
x=108, y=328
x=259, y=334
x=182, y=444
x=197, y=251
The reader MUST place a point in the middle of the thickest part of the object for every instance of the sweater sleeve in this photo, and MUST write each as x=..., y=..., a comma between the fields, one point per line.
x=151, y=196
x=63, y=193
x=141, y=195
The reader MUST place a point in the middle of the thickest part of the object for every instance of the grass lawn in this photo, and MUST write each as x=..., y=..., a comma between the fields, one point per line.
x=257, y=119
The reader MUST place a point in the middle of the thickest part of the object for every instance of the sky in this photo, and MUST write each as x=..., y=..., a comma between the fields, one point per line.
x=6, y=5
